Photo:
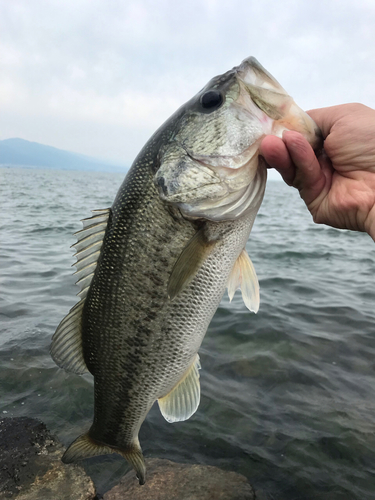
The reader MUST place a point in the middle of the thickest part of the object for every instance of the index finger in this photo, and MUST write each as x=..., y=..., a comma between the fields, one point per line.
x=275, y=153
x=309, y=179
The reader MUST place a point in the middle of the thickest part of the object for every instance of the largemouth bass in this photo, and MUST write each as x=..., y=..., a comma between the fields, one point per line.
x=153, y=267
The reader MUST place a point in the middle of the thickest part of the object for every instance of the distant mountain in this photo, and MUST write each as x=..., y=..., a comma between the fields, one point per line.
x=21, y=153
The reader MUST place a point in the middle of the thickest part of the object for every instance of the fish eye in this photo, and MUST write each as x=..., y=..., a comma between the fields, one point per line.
x=212, y=100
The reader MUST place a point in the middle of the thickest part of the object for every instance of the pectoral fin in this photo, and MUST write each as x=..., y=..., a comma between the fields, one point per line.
x=189, y=262
x=243, y=276
x=183, y=400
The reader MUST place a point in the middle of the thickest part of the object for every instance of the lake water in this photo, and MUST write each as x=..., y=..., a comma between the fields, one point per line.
x=288, y=395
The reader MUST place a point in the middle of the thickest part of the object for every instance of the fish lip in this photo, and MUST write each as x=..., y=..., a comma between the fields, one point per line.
x=172, y=198
x=199, y=160
x=221, y=161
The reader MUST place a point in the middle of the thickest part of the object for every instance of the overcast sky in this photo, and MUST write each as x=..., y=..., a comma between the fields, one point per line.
x=98, y=77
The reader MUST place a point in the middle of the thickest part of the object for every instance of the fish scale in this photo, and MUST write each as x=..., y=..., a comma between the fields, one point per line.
x=138, y=238
x=174, y=239
x=145, y=346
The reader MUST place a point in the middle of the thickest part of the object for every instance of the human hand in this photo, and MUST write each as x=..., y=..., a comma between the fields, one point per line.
x=338, y=187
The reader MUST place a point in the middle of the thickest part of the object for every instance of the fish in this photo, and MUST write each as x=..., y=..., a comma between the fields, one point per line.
x=153, y=267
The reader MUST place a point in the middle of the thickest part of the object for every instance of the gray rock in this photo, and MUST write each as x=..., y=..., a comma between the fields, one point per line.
x=168, y=480
x=31, y=467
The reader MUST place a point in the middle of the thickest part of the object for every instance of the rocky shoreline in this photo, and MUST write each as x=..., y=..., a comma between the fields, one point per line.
x=31, y=469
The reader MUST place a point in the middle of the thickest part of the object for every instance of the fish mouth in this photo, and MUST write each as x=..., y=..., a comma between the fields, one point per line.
x=273, y=100
x=227, y=162
x=250, y=71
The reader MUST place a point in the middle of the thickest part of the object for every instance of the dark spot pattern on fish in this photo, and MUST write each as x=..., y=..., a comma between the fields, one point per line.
x=176, y=230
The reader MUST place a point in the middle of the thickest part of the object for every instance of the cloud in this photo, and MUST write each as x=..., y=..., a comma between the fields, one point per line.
x=118, y=69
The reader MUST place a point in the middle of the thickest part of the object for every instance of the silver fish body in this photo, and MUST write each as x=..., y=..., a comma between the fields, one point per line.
x=153, y=268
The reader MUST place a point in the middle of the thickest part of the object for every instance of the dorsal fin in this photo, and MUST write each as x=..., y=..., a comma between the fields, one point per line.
x=66, y=347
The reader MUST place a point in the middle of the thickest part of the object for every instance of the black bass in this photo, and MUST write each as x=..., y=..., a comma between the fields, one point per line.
x=153, y=267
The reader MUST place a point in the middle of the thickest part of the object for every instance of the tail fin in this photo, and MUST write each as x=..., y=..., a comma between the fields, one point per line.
x=85, y=447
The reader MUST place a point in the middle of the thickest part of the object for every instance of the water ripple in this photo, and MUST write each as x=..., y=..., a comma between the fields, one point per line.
x=288, y=395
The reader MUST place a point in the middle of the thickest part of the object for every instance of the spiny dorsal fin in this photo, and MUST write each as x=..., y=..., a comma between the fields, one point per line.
x=66, y=347
x=243, y=276
x=183, y=400
x=189, y=262
x=85, y=447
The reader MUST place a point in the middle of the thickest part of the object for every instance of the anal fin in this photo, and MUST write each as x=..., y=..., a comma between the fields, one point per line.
x=183, y=400
x=243, y=276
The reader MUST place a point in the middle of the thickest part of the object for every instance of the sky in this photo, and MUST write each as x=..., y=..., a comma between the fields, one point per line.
x=98, y=77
